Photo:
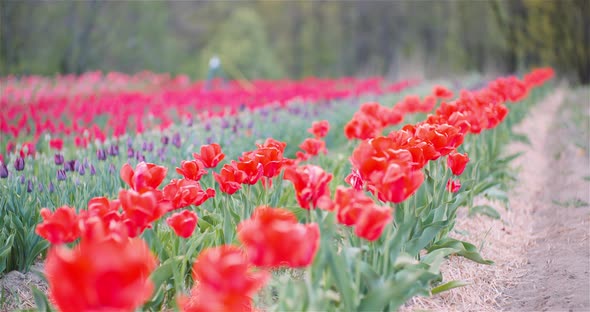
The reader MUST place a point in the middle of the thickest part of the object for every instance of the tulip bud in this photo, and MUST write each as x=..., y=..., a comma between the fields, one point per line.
x=101, y=154
x=114, y=150
x=3, y=171
x=58, y=159
x=69, y=165
x=61, y=175
x=19, y=164
x=176, y=141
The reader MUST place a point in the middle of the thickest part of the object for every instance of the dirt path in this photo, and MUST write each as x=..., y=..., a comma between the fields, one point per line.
x=554, y=182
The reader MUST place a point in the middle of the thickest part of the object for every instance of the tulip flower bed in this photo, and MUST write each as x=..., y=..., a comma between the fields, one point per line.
x=244, y=214
x=92, y=107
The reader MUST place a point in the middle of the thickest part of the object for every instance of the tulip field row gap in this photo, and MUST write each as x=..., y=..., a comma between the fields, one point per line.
x=337, y=204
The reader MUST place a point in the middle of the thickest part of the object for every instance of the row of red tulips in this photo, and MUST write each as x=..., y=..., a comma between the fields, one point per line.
x=110, y=266
x=31, y=107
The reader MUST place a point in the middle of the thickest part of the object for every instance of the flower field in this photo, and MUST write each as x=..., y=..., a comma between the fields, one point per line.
x=154, y=193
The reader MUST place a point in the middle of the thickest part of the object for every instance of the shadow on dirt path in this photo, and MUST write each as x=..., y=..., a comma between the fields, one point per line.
x=554, y=183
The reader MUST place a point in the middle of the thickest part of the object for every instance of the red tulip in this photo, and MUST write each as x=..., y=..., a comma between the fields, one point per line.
x=442, y=92
x=313, y=147
x=100, y=276
x=183, y=223
x=225, y=281
x=270, y=142
x=273, y=238
x=104, y=208
x=183, y=193
x=210, y=155
x=457, y=162
x=56, y=144
x=141, y=209
x=453, y=186
x=349, y=205
x=355, y=180
x=192, y=170
x=372, y=221
x=230, y=178
x=310, y=183
x=28, y=149
x=319, y=128
x=60, y=226
x=253, y=170
x=354, y=208
x=145, y=177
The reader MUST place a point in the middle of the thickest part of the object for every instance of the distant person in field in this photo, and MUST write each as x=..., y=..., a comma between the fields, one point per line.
x=214, y=70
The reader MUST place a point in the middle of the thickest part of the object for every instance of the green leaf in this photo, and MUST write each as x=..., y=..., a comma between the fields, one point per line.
x=342, y=277
x=496, y=193
x=510, y=158
x=40, y=300
x=228, y=227
x=394, y=293
x=429, y=232
x=448, y=286
x=485, y=210
x=523, y=138
x=463, y=249
x=164, y=271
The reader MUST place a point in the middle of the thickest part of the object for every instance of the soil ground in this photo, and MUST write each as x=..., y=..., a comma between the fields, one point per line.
x=557, y=273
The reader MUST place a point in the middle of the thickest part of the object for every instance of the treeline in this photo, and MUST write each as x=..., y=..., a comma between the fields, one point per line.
x=272, y=39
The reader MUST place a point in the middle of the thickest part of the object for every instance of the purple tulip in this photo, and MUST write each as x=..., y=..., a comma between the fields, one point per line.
x=114, y=150
x=101, y=154
x=92, y=170
x=86, y=163
x=164, y=140
x=3, y=171
x=22, y=179
x=176, y=140
x=210, y=140
x=29, y=186
x=139, y=157
x=69, y=165
x=129, y=143
x=150, y=147
x=130, y=152
x=40, y=187
x=19, y=164
x=51, y=187
x=144, y=146
x=77, y=165
x=81, y=170
x=58, y=159
x=61, y=175
x=112, y=169
x=224, y=123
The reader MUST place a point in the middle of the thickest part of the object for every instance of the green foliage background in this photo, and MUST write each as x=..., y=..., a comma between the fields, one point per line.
x=271, y=39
